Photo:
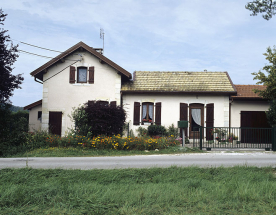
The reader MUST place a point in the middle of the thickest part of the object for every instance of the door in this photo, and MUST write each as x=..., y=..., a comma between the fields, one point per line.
x=251, y=120
x=55, y=122
x=196, y=119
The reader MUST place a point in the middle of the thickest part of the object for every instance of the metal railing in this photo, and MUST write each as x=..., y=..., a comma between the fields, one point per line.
x=234, y=137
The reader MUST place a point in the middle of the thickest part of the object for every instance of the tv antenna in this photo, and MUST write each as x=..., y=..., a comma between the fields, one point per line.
x=102, y=36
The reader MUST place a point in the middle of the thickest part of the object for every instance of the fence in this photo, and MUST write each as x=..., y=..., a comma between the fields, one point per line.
x=224, y=137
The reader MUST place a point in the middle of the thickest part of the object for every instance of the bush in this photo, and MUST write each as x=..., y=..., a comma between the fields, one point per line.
x=13, y=129
x=156, y=130
x=142, y=132
x=172, y=131
x=99, y=118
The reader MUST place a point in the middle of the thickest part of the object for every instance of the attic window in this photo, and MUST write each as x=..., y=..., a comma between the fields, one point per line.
x=82, y=75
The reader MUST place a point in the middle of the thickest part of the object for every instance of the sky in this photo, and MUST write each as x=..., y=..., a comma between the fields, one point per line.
x=141, y=35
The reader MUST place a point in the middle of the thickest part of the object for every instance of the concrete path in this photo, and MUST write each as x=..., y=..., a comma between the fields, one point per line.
x=212, y=159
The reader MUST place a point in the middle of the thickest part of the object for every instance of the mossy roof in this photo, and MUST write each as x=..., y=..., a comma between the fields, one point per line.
x=145, y=81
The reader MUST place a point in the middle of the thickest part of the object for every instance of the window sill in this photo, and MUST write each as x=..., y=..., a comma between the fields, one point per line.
x=81, y=84
x=147, y=123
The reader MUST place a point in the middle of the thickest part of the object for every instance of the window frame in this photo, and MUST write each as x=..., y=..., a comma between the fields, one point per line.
x=78, y=70
x=147, y=119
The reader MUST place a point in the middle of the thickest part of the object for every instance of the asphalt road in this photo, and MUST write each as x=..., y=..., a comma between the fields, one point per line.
x=213, y=159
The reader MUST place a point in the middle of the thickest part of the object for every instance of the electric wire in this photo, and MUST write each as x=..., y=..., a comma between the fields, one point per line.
x=37, y=46
x=42, y=55
x=61, y=71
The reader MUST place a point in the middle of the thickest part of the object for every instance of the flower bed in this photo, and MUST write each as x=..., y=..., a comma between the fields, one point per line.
x=115, y=142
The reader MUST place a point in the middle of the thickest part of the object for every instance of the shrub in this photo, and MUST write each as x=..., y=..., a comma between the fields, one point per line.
x=172, y=131
x=99, y=118
x=156, y=130
x=142, y=132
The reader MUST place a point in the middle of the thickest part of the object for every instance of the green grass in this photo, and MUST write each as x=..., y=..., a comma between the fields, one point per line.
x=174, y=190
x=85, y=152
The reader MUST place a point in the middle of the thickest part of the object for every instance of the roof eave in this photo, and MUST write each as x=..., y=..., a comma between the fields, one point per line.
x=37, y=73
x=30, y=106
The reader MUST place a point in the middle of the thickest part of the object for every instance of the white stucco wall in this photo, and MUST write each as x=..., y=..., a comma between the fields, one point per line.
x=170, y=111
x=237, y=106
x=60, y=95
x=34, y=122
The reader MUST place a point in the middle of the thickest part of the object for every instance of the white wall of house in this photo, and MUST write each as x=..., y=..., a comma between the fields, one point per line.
x=34, y=122
x=60, y=95
x=237, y=106
x=170, y=111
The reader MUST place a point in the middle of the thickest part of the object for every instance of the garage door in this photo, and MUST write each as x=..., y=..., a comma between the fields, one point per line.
x=254, y=119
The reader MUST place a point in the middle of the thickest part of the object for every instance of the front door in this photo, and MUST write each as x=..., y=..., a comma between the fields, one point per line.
x=196, y=119
x=55, y=122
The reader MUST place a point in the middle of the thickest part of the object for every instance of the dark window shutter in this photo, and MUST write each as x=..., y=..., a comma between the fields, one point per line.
x=113, y=104
x=103, y=103
x=136, y=115
x=72, y=75
x=90, y=103
x=158, y=113
x=209, y=121
x=184, y=116
x=91, y=75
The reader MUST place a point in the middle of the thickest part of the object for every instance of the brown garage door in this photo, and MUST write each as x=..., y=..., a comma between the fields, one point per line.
x=55, y=122
x=254, y=119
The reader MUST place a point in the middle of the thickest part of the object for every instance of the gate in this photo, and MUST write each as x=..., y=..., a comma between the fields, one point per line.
x=240, y=137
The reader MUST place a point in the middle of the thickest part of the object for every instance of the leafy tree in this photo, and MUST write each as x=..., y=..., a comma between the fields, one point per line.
x=262, y=6
x=8, y=56
x=271, y=113
x=268, y=80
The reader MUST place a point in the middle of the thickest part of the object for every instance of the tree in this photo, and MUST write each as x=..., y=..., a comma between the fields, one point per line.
x=8, y=56
x=268, y=80
x=262, y=6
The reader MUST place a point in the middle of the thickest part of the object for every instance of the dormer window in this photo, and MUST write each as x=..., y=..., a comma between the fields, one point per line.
x=82, y=75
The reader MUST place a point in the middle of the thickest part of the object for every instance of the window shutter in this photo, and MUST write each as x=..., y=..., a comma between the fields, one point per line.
x=91, y=75
x=209, y=120
x=136, y=114
x=72, y=75
x=103, y=103
x=113, y=104
x=158, y=113
x=184, y=116
x=90, y=103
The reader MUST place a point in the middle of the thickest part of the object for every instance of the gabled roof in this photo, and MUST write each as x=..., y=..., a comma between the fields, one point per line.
x=173, y=82
x=30, y=106
x=38, y=72
x=246, y=92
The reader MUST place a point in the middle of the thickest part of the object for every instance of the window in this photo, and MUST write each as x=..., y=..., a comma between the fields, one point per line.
x=147, y=112
x=39, y=113
x=82, y=75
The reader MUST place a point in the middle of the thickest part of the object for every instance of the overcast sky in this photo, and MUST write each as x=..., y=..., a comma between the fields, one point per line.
x=141, y=35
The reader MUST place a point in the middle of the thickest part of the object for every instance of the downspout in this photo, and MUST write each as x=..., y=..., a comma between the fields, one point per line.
x=230, y=105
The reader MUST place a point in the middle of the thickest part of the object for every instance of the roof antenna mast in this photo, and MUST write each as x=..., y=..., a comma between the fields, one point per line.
x=102, y=36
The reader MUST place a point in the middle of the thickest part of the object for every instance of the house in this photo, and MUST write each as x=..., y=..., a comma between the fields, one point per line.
x=77, y=75
x=82, y=73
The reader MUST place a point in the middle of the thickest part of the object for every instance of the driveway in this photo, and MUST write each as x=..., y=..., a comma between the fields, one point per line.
x=213, y=159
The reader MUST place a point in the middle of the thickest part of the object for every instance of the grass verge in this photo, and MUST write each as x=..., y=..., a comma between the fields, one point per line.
x=88, y=152
x=174, y=190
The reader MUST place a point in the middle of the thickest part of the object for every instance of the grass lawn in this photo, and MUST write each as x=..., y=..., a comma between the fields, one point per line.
x=174, y=190
x=86, y=152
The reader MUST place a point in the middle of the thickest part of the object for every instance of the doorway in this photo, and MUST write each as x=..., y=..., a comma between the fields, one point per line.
x=196, y=119
x=55, y=122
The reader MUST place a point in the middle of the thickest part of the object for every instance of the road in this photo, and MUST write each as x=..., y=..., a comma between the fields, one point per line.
x=213, y=159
